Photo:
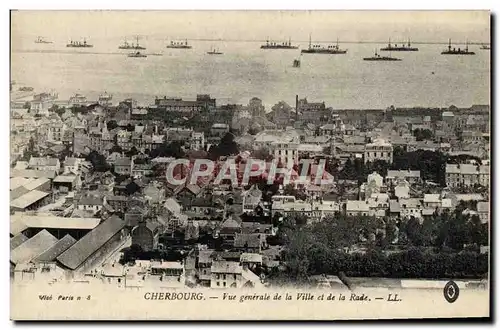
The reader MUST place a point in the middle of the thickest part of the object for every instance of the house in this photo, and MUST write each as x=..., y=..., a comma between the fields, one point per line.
x=357, y=208
x=141, y=170
x=117, y=203
x=378, y=150
x=411, y=207
x=146, y=234
x=112, y=273
x=394, y=175
x=467, y=175
x=44, y=164
x=197, y=141
x=250, y=260
x=134, y=216
x=167, y=269
x=219, y=129
x=72, y=165
x=402, y=189
x=432, y=201
x=378, y=204
x=226, y=274
x=124, y=166
x=483, y=211
x=90, y=203
x=394, y=209
x=251, y=198
x=205, y=267
x=250, y=243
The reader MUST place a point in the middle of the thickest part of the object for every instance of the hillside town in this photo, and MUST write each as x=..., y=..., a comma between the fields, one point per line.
x=408, y=195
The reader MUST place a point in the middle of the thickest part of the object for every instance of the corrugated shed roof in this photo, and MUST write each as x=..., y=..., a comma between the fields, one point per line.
x=17, y=182
x=53, y=222
x=53, y=252
x=32, y=185
x=90, y=243
x=28, y=199
x=17, y=240
x=32, y=174
x=33, y=247
x=18, y=192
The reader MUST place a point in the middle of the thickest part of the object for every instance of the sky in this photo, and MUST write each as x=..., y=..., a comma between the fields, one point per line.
x=420, y=26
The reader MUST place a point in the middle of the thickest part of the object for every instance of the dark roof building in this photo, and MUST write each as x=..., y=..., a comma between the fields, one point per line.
x=53, y=252
x=81, y=254
x=17, y=240
x=32, y=248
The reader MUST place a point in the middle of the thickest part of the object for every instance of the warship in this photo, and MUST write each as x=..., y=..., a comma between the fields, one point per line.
x=137, y=54
x=135, y=46
x=214, y=51
x=377, y=57
x=457, y=51
x=400, y=48
x=277, y=45
x=320, y=49
x=41, y=40
x=78, y=44
x=179, y=45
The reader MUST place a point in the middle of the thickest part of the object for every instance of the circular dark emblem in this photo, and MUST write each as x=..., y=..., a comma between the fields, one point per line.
x=451, y=292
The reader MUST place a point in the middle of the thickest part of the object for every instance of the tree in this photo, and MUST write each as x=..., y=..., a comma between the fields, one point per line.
x=116, y=148
x=423, y=134
x=262, y=154
x=132, y=152
x=172, y=149
x=226, y=147
x=59, y=110
x=30, y=151
x=98, y=161
x=112, y=124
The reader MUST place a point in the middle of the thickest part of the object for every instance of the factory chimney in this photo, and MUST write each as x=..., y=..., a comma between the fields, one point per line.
x=296, y=107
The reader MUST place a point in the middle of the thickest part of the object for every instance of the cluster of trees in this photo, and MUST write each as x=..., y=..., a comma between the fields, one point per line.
x=447, y=230
x=168, y=149
x=445, y=246
x=98, y=161
x=59, y=110
x=431, y=164
x=226, y=147
x=30, y=151
x=423, y=134
x=358, y=170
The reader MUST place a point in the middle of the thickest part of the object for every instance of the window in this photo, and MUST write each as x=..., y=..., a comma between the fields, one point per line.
x=224, y=284
x=218, y=283
x=235, y=277
x=224, y=276
x=217, y=277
